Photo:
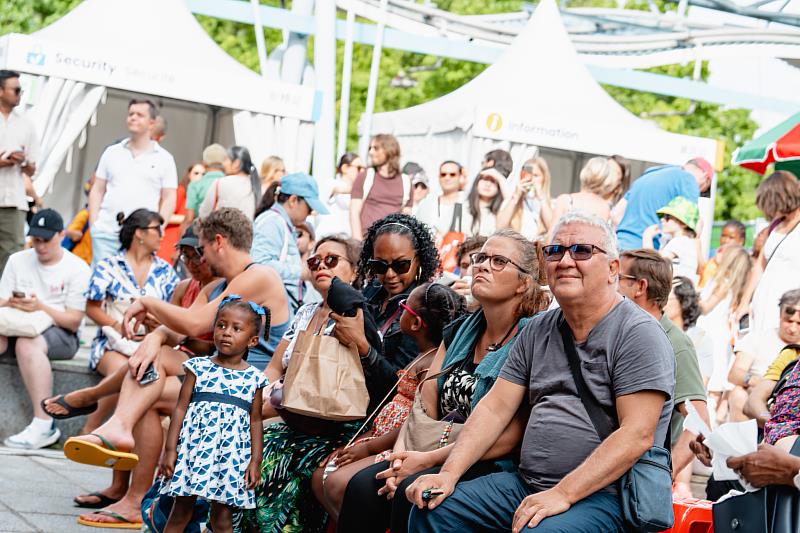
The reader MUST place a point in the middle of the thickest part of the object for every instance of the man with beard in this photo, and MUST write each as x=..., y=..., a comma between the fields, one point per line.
x=225, y=237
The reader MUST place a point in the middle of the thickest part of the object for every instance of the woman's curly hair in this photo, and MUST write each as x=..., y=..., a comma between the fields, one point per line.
x=421, y=239
x=688, y=298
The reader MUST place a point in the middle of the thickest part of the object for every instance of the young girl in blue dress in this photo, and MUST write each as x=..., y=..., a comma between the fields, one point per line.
x=214, y=443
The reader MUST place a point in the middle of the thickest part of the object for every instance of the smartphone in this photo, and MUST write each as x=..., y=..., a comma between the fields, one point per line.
x=150, y=375
x=18, y=294
x=744, y=324
x=447, y=278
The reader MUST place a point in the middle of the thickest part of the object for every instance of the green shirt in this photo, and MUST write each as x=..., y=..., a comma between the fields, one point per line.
x=688, y=381
x=196, y=192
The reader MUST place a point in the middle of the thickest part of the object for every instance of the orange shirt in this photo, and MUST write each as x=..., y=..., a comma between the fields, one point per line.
x=83, y=248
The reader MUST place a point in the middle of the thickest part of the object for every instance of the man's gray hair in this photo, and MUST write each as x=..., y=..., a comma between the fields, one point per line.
x=588, y=219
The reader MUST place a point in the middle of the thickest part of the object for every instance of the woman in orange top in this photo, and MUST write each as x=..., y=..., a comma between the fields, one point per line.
x=172, y=232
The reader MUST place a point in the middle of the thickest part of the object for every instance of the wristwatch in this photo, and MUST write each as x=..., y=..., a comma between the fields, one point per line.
x=796, y=481
x=747, y=378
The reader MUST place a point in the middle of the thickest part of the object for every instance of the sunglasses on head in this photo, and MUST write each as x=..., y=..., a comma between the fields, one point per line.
x=404, y=305
x=789, y=311
x=330, y=261
x=381, y=267
x=578, y=252
x=496, y=262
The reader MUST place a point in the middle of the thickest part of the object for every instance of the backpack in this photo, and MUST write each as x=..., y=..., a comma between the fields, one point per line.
x=369, y=181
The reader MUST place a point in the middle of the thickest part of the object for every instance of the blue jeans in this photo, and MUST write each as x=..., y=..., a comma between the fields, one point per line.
x=488, y=503
x=103, y=245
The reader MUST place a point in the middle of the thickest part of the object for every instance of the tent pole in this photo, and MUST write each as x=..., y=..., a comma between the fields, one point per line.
x=373, y=81
x=347, y=70
x=325, y=70
x=260, y=44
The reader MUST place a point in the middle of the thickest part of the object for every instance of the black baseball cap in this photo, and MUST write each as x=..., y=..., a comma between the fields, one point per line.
x=189, y=238
x=45, y=224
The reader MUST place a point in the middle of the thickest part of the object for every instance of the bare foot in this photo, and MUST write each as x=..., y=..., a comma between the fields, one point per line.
x=121, y=440
x=78, y=398
x=126, y=508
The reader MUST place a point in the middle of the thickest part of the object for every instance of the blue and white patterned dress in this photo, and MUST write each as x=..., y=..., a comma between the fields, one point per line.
x=214, y=444
x=105, y=284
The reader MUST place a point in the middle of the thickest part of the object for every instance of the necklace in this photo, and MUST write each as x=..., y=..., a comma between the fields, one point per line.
x=497, y=345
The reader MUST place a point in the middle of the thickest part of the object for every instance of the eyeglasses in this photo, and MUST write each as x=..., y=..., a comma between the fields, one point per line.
x=413, y=313
x=496, y=262
x=17, y=90
x=158, y=227
x=200, y=250
x=298, y=233
x=789, y=311
x=191, y=257
x=527, y=168
x=578, y=252
x=330, y=261
x=381, y=267
x=448, y=174
x=628, y=276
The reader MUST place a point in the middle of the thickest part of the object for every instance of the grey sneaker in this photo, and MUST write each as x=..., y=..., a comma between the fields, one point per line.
x=31, y=439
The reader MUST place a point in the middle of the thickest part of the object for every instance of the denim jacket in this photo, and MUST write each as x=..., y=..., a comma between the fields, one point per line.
x=275, y=245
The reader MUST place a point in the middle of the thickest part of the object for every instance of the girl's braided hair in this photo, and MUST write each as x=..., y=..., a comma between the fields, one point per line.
x=438, y=307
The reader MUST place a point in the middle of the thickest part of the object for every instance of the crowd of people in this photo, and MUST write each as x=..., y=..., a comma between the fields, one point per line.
x=516, y=353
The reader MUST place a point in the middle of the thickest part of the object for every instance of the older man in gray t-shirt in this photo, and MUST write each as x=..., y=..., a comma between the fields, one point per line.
x=566, y=479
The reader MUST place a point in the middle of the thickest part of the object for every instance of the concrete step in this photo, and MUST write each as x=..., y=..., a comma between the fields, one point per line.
x=69, y=375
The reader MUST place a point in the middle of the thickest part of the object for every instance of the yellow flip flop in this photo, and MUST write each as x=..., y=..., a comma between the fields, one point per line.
x=89, y=453
x=121, y=523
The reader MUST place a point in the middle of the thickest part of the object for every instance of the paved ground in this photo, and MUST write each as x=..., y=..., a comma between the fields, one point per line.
x=36, y=491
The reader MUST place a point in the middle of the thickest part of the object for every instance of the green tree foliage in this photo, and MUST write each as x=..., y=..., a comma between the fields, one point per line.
x=678, y=115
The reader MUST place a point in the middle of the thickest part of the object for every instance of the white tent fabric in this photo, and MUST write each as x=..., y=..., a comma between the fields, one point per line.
x=538, y=94
x=153, y=47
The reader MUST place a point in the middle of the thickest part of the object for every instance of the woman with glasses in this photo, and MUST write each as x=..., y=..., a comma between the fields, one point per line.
x=507, y=282
x=283, y=499
x=529, y=209
x=398, y=254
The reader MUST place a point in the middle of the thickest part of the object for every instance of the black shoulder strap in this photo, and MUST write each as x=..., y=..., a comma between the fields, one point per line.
x=456, y=217
x=595, y=411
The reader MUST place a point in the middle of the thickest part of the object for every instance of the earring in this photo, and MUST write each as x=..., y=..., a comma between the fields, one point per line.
x=141, y=241
x=419, y=272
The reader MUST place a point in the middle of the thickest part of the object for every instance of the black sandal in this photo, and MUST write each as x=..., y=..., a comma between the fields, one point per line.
x=103, y=501
x=71, y=410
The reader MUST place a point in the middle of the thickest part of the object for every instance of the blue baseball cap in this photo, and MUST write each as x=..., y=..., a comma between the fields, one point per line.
x=302, y=185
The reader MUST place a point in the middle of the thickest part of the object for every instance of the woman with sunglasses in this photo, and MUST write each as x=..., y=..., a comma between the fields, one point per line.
x=427, y=311
x=529, y=209
x=507, y=282
x=283, y=499
x=398, y=254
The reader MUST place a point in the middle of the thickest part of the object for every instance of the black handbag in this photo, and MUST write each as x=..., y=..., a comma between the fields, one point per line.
x=646, y=489
x=773, y=509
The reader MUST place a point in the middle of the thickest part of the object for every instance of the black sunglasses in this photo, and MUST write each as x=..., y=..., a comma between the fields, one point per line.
x=496, y=262
x=158, y=227
x=381, y=267
x=330, y=261
x=578, y=252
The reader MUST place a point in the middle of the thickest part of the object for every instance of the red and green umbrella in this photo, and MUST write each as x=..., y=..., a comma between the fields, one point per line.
x=780, y=145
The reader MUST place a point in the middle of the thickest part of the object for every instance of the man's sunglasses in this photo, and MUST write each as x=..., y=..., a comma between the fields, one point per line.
x=404, y=305
x=448, y=174
x=381, y=267
x=496, y=262
x=330, y=261
x=789, y=311
x=578, y=252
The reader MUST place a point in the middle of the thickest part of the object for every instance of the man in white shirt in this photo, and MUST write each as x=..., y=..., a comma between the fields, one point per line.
x=45, y=278
x=132, y=174
x=441, y=212
x=19, y=149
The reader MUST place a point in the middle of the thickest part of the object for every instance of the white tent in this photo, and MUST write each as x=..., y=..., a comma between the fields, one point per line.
x=151, y=47
x=538, y=95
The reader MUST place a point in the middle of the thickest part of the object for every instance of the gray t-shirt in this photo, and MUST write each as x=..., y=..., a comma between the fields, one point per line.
x=626, y=352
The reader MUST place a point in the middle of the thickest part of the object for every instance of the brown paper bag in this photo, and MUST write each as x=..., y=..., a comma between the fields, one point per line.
x=325, y=379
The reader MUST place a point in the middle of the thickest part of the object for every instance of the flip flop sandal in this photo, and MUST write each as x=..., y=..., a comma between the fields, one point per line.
x=102, y=501
x=122, y=522
x=71, y=410
x=107, y=455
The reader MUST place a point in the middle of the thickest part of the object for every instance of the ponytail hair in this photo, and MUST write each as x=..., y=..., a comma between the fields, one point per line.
x=242, y=155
